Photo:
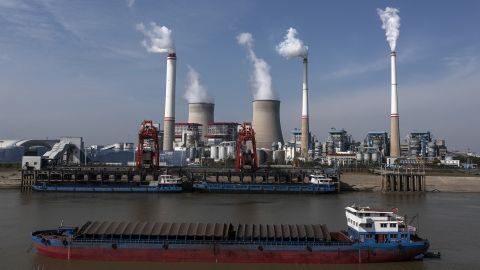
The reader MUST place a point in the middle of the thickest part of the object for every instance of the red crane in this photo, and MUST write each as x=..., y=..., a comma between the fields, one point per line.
x=245, y=156
x=147, y=150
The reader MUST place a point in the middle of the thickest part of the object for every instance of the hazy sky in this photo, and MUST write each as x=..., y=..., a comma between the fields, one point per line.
x=78, y=68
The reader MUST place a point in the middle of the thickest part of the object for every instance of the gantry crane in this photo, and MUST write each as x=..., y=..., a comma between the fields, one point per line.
x=244, y=155
x=147, y=150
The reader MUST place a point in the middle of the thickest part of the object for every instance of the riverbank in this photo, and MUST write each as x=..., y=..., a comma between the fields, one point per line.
x=10, y=178
x=373, y=182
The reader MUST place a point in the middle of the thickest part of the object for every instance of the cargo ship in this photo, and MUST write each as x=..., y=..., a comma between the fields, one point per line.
x=166, y=183
x=318, y=183
x=372, y=236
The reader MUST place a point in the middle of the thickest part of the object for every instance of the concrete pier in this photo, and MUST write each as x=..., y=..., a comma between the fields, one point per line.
x=403, y=180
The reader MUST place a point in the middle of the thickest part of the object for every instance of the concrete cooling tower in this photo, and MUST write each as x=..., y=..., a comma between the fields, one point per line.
x=201, y=113
x=266, y=122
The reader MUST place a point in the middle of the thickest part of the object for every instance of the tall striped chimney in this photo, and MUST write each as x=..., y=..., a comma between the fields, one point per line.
x=169, y=120
x=305, y=124
x=394, y=125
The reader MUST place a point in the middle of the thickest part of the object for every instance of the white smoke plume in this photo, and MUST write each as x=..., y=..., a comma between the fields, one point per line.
x=391, y=24
x=159, y=38
x=291, y=46
x=261, y=79
x=194, y=91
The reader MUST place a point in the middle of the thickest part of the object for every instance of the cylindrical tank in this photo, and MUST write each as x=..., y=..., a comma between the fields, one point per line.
x=262, y=156
x=201, y=113
x=222, y=153
x=266, y=122
x=374, y=157
x=366, y=157
x=279, y=156
x=359, y=156
x=231, y=151
x=214, y=152
x=268, y=155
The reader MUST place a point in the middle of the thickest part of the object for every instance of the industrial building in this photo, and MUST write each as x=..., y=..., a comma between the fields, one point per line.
x=114, y=154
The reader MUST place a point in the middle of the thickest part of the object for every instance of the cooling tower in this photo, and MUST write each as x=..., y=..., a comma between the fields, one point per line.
x=201, y=113
x=305, y=123
x=169, y=120
x=266, y=123
x=394, y=125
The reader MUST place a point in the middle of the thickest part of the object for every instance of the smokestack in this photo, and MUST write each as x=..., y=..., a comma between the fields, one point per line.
x=266, y=123
x=169, y=120
x=305, y=123
x=201, y=113
x=394, y=123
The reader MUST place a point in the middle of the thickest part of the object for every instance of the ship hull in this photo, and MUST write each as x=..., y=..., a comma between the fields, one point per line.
x=108, y=188
x=350, y=254
x=263, y=188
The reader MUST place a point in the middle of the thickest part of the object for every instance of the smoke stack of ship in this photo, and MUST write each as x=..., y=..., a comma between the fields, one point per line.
x=201, y=113
x=266, y=123
x=169, y=119
x=305, y=122
x=394, y=121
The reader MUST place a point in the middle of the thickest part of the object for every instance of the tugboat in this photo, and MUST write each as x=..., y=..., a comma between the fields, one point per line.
x=372, y=236
x=166, y=183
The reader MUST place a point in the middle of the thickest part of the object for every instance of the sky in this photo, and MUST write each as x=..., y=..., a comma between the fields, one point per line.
x=78, y=68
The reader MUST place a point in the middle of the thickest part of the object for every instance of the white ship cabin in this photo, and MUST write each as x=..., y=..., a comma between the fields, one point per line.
x=166, y=179
x=320, y=179
x=367, y=224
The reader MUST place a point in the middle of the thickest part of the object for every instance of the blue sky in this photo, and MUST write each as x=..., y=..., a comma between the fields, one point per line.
x=77, y=68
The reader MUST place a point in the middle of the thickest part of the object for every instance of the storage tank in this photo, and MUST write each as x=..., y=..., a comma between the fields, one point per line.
x=222, y=153
x=214, y=152
x=231, y=151
x=366, y=157
x=359, y=156
x=279, y=156
x=374, y=157
x=266, y=122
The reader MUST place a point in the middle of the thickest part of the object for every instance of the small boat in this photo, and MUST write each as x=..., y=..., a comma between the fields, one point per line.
x=166, y=183
x=372, y=236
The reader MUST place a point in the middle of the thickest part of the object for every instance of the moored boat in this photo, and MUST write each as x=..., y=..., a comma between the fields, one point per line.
x=166, y=183
x=318, y=183
x=373, y=235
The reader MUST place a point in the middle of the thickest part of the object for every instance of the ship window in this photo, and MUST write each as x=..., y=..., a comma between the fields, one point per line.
x=367, y=214
x=369, y=236
x=393, y=236
x=368, y=225
x=382, y=214
x=393, y=225
x=404, y=235
x=383, y=225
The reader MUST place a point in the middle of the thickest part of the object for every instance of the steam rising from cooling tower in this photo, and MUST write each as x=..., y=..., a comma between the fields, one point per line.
x=391, y=24
x=196, y=92
x=261, y=79
x=159, y=40
x=291, y=47
x=200, y=104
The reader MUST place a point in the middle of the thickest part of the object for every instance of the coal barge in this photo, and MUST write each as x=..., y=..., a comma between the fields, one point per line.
x=166, y=183
x=373, y=235
x=318, y=183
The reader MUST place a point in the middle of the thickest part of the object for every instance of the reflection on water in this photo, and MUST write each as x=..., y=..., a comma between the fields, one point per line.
x=445, y=219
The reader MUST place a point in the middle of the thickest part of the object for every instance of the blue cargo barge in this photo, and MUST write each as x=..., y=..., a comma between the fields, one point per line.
x=166, y=184
x=318, y=184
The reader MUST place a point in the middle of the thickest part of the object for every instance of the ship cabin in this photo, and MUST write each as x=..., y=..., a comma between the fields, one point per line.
x=369, y=225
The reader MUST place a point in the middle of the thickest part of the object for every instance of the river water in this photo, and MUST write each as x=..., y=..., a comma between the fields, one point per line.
x=449, y=220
